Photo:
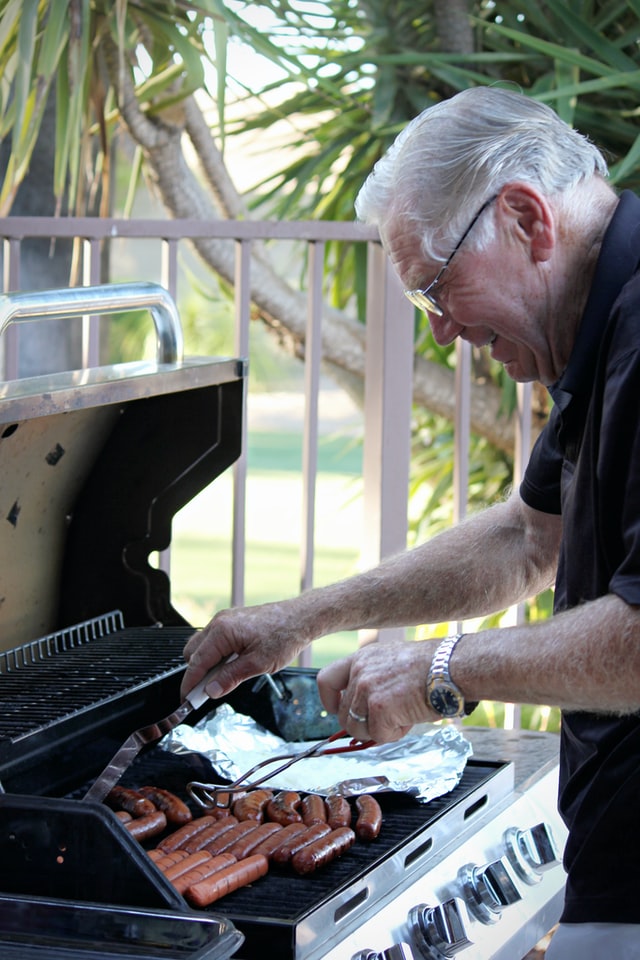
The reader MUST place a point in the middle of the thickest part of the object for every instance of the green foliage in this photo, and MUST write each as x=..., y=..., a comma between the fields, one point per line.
x=55, y=49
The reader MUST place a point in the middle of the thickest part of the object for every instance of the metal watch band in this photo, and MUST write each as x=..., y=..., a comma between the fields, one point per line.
x=439, y=670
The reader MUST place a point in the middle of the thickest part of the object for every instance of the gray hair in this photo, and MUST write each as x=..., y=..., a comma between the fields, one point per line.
x=452, y=157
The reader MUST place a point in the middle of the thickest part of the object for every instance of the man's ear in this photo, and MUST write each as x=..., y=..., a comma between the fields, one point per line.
x=530, y=218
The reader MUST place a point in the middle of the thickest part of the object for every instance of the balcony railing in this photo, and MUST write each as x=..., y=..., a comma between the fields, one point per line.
x=388, y=357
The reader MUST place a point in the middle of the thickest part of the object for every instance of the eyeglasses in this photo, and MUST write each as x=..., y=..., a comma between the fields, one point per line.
x=424, y=299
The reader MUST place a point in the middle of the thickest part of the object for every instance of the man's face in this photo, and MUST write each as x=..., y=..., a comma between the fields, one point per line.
x=501, y=297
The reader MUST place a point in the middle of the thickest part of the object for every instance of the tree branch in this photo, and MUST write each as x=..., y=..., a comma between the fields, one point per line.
x=282, y=308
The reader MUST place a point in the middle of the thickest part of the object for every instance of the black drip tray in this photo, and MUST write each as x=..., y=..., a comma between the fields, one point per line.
x=33, y=928
x=75, y=851
x=74, y=883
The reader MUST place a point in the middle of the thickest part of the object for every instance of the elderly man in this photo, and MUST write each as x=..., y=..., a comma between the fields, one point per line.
x=501, y=225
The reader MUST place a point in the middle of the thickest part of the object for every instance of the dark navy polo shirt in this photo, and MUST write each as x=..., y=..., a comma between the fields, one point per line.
x=586, y=466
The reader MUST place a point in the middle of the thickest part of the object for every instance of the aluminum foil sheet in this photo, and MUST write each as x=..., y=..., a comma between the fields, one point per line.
x=427, y=763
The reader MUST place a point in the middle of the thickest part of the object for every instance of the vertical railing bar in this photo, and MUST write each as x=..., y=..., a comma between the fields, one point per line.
x=91, y=324
x=312, y=356
x=461, y=430
x=169, y=280
x=387, y=411
x=11, y=283
x=312, y=387
x=242, y=282
x=169, y=266
x=524, y=392
x=462, y=421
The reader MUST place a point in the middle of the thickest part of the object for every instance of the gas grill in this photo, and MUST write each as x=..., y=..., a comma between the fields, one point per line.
x=93, y=467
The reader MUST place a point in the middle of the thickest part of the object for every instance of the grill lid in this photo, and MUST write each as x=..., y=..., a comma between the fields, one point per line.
x=94, y=464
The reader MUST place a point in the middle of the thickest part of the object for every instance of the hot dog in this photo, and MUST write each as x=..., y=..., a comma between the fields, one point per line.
x=180, y=836
x=185, y=865
x=251, y=805
x=206, y=869
x=313, y=809
x=225, y=802
x=338, y=812
x=226, y=841
x=269, y=846
x=323, y=851
x=175, y=810
x=121, y=798
x=142, y=828
x=165, y=860
x=246, y=845
x=284, y=853
x=227, y=880
x=123, y=816
x=369, y=819
x=203, y=837
x=282, y=808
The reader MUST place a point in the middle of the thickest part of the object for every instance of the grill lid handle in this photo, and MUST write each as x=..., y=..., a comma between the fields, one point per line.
x=98, y=300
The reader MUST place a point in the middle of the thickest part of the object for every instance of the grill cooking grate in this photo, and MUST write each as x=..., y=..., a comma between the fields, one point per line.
x=271, y=911
x=66, y=673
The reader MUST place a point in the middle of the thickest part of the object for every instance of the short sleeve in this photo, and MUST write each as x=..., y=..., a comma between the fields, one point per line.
x=541, y=484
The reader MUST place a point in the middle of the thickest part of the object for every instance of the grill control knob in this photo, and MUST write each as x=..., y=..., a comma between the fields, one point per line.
x=399, y=951
x=438, y=931
x=488, y=889
x=531, y=851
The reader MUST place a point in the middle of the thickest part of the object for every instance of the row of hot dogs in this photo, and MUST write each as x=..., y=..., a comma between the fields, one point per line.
x=208, y=857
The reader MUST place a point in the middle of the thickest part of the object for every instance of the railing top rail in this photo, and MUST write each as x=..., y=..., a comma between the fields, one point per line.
x=111, y=227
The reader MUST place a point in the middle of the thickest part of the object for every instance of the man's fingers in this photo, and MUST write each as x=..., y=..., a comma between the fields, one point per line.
x=332, y=680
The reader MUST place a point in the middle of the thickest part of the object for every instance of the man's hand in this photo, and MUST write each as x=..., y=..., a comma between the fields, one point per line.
x=241, y=643
x=379, y=692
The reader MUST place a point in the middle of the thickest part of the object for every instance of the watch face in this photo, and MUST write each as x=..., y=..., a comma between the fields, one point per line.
x=445, y=701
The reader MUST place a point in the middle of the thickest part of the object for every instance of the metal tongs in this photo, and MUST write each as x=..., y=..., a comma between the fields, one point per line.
x=217, y=795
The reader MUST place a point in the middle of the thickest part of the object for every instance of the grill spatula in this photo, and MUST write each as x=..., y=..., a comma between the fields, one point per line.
x=141, y=738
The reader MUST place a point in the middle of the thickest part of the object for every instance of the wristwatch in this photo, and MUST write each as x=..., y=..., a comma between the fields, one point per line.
x=443, y=695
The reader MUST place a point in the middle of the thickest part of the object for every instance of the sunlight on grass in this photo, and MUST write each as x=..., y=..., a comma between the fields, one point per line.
x=202, y=533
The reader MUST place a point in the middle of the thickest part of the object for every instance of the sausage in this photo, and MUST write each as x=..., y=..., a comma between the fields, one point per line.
x=121, y=798
x=323, y=851
x=282, y=808
x=142, y=828
x=251, y=806
x=212, y=832
x=123, y=816
x=175, y=810
x=227, y=880
x=206, y=869
x=227, y=840
x=187, y=863
x=226, y=801
x=164, y=860
x=246, y=845
x=284, y=853
x=313, y=809
x=369, y=819
x=338, y=812
x=182, y=834
x=269, y=846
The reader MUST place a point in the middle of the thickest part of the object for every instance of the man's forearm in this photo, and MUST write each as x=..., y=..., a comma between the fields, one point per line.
x=484, y=564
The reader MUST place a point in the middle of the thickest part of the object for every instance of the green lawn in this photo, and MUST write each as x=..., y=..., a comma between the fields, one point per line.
x=201, y=547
